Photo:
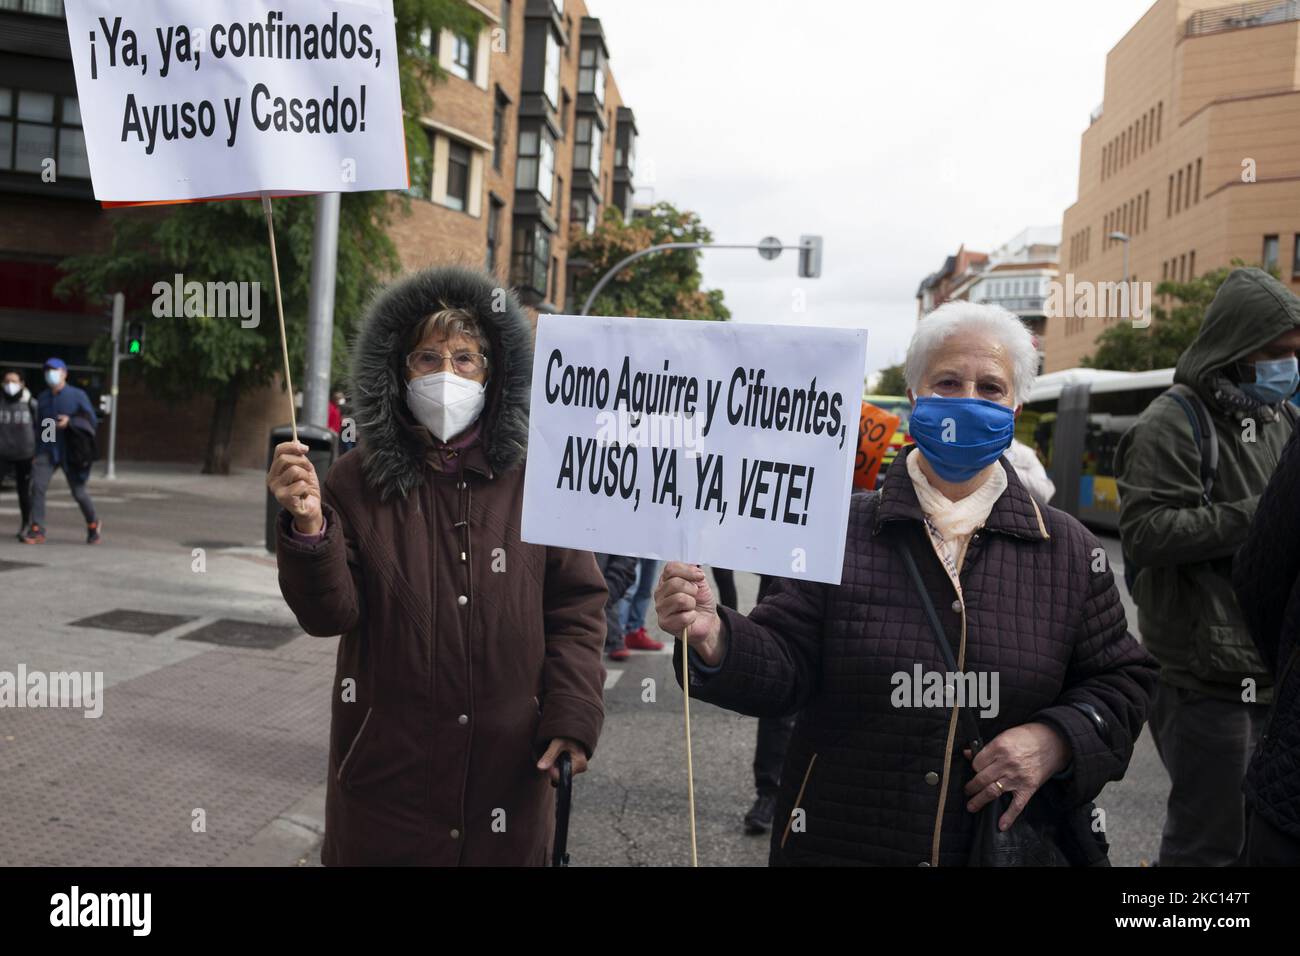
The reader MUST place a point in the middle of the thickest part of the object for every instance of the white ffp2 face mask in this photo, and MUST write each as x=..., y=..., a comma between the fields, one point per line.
x=445, y=403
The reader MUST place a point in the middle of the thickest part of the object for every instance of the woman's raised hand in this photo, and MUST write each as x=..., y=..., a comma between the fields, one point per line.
x=292, y=482
x=683, y=601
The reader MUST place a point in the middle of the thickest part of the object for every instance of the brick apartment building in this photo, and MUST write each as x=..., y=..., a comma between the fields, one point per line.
x=1194, y=155
x=529, y=138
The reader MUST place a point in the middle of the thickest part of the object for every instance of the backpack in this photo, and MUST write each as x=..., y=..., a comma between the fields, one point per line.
x=1206, y=440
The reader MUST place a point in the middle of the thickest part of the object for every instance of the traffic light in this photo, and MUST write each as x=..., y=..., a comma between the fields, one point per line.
x=810, y=257
x=135, y=338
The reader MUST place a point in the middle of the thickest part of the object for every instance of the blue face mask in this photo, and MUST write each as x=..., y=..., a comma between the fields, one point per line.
x=960, y=437
x=1275, y=381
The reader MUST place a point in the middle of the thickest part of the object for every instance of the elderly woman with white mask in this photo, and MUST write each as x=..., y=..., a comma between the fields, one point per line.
x=970, y=685
x=469, y=659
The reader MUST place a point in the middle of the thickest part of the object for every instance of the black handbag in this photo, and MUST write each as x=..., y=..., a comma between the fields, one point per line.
x=1044, y=834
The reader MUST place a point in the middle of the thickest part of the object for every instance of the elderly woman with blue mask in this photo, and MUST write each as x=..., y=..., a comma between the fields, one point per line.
x=970, y=684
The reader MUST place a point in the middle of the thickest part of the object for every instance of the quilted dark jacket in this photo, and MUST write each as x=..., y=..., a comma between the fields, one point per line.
x=880, y=784
x=1267, y=581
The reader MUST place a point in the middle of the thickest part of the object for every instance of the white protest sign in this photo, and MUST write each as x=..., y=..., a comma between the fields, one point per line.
x=708, y=442
x=181, y=100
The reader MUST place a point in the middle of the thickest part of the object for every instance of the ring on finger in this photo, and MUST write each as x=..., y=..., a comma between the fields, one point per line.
x=998, y=784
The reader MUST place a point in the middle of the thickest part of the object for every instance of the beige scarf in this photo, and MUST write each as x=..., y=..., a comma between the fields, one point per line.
x=951, y=523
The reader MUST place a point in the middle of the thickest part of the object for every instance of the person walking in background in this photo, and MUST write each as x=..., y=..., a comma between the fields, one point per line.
x=18, y=441
x=619, y=573
x=632, y=608
x=1180, y=525
x=56, y=409
x=1266, y=577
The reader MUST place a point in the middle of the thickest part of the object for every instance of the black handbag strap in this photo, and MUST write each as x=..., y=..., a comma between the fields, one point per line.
x=970, y=724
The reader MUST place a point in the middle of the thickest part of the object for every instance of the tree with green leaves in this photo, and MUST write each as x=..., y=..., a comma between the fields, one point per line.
x=1122, y=347
x=664, y=284
x=199, y=354
x=890, y=380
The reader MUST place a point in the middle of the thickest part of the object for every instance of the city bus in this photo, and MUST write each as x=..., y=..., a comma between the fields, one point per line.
x=1074, y=419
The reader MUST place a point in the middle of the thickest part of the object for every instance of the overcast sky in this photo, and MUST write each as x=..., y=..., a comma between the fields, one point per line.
x=896, y=130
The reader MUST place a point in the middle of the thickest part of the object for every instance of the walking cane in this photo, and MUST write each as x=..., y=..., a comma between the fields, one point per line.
x=563, y=803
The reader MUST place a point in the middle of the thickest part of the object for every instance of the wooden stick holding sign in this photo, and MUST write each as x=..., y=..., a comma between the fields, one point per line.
x=279, y=308
x=690, y=769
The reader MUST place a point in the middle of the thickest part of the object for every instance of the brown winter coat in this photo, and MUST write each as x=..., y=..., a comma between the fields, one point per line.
x=464, y=650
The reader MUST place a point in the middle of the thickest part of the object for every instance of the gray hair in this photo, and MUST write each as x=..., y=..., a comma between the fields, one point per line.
x=447, y=323
x=993, y=321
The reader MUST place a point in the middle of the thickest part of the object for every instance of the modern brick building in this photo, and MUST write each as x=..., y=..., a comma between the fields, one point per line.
x=1194, y=155
x=529, y=138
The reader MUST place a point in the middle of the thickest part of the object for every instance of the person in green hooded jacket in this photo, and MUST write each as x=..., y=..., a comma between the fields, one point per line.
x=1212, y=697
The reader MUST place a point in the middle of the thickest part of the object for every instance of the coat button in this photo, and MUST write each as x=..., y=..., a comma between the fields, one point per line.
x=455, y=834
x=956, y=607
x=462, y=556
x=932, y=778
x=463, y=719
x=460, y=485
x=462, y=600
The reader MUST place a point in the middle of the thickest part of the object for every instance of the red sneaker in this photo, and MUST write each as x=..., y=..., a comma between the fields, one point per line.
x=639, y=640
x=621, y=654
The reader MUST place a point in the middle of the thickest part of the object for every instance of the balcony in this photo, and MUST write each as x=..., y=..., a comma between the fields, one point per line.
x=1240, y=16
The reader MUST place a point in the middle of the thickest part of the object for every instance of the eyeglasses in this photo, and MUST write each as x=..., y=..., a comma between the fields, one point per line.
x=427, y=362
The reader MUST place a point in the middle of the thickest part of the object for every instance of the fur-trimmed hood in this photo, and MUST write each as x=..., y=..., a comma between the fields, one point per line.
x=390, y=437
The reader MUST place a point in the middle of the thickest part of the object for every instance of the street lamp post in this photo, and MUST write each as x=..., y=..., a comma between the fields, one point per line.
x=810, y=248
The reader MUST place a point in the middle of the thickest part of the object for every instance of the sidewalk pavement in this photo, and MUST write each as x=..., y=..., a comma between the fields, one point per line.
x=206, y=752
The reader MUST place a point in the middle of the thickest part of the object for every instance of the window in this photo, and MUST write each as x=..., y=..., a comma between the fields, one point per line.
x=505, y=26
x=457, y=176
x=587, y=149
x=499, y=130
x=1146, y=210
x=559, y=196
x=530, y=257
x=536, y=169
x=1198, y=180
x=1169, y=199
x=1178, y=194
x=1160, y=118
x=565, y=100
x=1187, y=199
x=36, y=126
x=551, y=78
x=555, y=278
x=1191, y=265
x=1270, y=253
x=462, y=56
x=493, y=232
x=591, y=73
x=1182, y=268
